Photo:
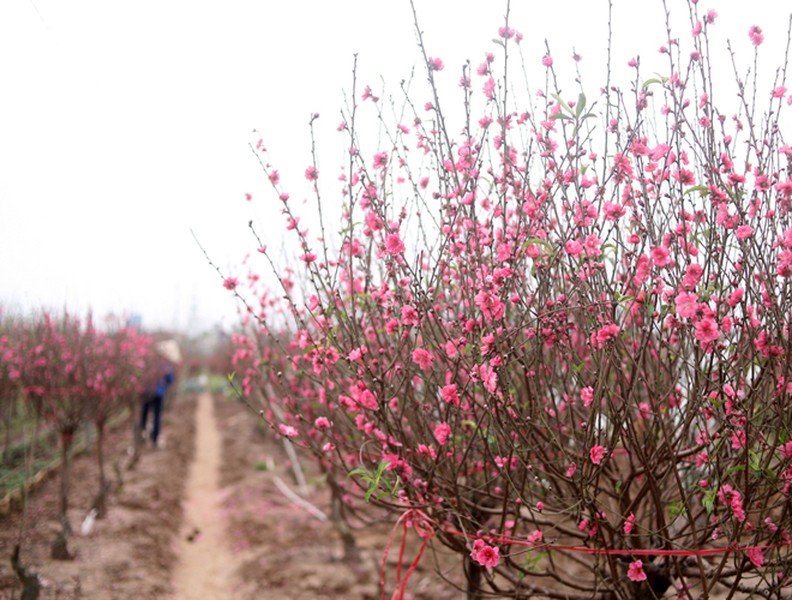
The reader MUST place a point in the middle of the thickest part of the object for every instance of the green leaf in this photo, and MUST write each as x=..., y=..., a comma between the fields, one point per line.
x=661, y=80
x=562, y=116
x=374, y=480
x=562, y=103
x=708, y=502
x=702, y=189
x=675, y=510
x=754, y=460
x=581, y=104
x=539, y=241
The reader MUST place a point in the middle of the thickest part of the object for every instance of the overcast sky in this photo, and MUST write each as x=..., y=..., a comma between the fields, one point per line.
x=125, y=125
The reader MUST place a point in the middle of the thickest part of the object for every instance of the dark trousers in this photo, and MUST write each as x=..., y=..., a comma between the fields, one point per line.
x=153, y=402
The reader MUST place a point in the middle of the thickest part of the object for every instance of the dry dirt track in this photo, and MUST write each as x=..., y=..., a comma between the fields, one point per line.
x=205, y=566
x=216, y=474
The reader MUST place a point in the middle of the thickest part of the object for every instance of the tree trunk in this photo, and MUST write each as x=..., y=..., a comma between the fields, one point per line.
x=60, y=549
x=137, y=432
x=473, y=575
x=351, y=551
x=7, y=418
x=31, y=584
x=100, y=502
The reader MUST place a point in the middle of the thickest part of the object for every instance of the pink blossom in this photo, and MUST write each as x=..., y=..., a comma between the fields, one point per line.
x=394, y=244
x=571, y=470
x=311, y=173
x=573, y=248
x=423, y=358
x=486, y=555
x=596, y=454
x=755, y=33
x=755, y=555
x=322, y=423
x=449, y=394
x=697, y=29
x=547, y=60
x=660, y=256
x=613, y=212
x=288, y=430
x=732, y=498
x=707, y=330
x=686, y=304
x=230, y=283
x=786, y=450
x=357, y=353
x=635, y=571
x=409, y=316
x=744, y=232
x=368, y=400
x=779, y=92
x=441, y=433
x=274, y=178
x=535, y=536
x=735, y=297
x=435, y=64
x=593, y=246
x=693, y=273
x=629, y=524
x=380, y=160
x=606, y=334
x=587, y=395
x=489, y=88
x=506, y=32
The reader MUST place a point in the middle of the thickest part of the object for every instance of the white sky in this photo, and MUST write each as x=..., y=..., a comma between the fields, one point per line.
x=123, y=125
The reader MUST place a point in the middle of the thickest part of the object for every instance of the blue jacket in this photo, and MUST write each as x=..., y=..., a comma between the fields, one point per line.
x=164, y=382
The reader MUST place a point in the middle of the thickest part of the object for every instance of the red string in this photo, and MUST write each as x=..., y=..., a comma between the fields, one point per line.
x=423, y=526
x=619, y=551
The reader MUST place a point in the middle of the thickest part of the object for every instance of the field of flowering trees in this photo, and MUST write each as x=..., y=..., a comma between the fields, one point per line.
x=57, y=374
x=534, y=342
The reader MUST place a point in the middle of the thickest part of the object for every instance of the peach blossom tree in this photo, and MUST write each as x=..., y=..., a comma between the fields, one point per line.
x=553, y=333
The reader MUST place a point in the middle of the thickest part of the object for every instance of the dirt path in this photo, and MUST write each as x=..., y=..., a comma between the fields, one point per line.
x=205, y=567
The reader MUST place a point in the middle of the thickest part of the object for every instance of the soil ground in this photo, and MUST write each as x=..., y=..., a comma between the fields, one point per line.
x=128, y=554
x=201, y=517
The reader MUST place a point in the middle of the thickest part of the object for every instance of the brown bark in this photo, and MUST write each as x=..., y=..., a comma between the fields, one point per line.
x=351, y=550
x=100, y=501
x=60, y=549
x=31, y=584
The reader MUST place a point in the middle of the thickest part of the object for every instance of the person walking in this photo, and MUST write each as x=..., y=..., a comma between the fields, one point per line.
x=154, y=395
x=153, y=400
